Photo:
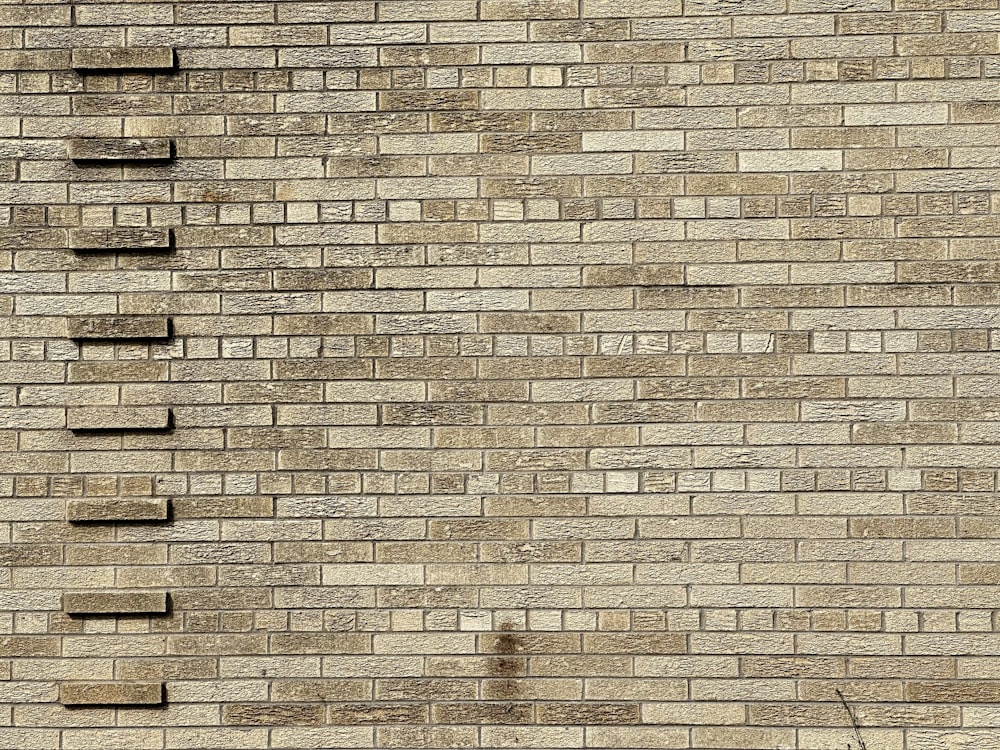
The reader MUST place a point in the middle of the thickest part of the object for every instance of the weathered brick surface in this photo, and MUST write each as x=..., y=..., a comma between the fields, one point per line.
x=520, y=373
x=119, y=418
x=118, y=149
x=114, y=602
x=112, y=509
x=111, y=693
x=120, y=239
x=115, y=59
x=120, y=327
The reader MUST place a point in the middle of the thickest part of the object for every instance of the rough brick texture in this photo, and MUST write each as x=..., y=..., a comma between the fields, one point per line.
x=112, y=327
x=120, y=239
x=114, y=602
x=115, y=59
x=110, y=693
x=119, y=418
x=118, y=149
x=543, y=374
x=117, y=509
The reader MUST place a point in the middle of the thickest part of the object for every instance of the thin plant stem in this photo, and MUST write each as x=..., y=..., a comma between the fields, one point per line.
x=854, y=722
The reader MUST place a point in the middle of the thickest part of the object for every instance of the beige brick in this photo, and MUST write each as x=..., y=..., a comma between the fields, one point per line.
x=134, y=327
x=791, y=161
x=895, y=114
x=120, y=418
x=119, y=149
x=112, y=59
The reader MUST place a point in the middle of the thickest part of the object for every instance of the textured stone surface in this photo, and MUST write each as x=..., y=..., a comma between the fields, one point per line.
x=114, y=59
x=111, y=693
x=119, y=149
x=111, y=509
x=544, y=373
x=119, y=418
x=120, y=327
x=118, y=239
x=114, y=602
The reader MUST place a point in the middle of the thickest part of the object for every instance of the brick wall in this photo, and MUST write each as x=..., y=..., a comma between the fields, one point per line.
x=501, y=374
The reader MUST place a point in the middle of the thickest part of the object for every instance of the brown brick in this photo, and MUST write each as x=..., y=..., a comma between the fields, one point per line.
x=428, y=100
x=117, y=509
x=432, y=414
x=588, y=713
x=529, y=643
x=942, y=691
x=29, y=645
x=482, y=713
x=115, y=602
x=112, y=693
x=257, y=714
x=324, y=369
x=120, y=239
x=347, y=714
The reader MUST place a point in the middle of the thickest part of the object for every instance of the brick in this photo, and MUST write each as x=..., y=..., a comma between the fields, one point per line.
x=528, y=9
x=120, y=239
x=790, y=161
x=251, y=714
x=120, y=149
x=115, y=602
x=895, y=114
x=117, y=509
x=127, y=59
x=112, y=693
x=618, y=373
x=132, y=327
x=120, y=418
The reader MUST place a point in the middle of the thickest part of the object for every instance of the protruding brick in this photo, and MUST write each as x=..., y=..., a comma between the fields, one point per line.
x=120, y=327
x=114, y=602
x=116, y=59
x=120, y=418
x=117, y=239
x=111, y=693
x=117, y=509
x=120, y=149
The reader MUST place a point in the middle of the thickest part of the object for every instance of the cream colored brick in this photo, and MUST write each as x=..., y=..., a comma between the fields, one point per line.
x=628, y=140
x=791, y=161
